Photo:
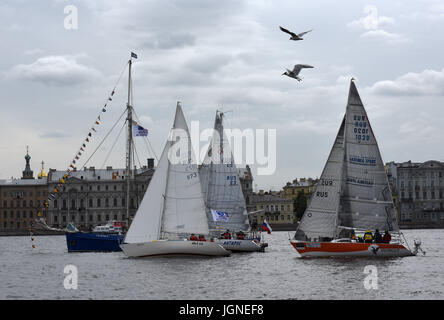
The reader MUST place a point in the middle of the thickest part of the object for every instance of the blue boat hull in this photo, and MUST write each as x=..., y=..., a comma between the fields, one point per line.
x=93, y=242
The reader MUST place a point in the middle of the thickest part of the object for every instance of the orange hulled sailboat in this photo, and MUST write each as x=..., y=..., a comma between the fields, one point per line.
x=352, y=197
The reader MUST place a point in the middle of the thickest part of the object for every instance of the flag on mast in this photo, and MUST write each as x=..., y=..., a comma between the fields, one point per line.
x=133, y=55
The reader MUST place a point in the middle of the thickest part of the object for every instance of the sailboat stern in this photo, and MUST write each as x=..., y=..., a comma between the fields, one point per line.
x=173, y=248
x=350, y=249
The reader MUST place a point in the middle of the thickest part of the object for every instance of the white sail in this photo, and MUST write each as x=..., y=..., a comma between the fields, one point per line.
x=353, y=191
x=184, y=209
x=319, y=219
x=366, y=202
x=146, y=223
x=220, y=182
x=173, y=201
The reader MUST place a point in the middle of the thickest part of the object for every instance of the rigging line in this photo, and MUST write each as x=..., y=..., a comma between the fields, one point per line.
x=112, y=147
x=137, y=155
x=114, y=88
x=147, y=140
x=84, y=164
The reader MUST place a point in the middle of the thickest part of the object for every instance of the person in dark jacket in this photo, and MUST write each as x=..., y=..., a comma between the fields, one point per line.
x=377, y=237
x=386, y=238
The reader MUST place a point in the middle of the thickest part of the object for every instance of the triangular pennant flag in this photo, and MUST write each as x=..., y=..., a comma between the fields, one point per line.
x=77, y=157
x=71, y=166
x=82, y=149
x=73, y=161
x=110, y=99
x=103, y=110
x=89, y=134
x=94, y=130
x=97, y=122
x=98, y=117
x=87, y=140
x=112, y=92
x=84, y=145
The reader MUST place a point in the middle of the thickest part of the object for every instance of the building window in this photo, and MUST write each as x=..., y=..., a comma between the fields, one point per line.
x=90, y=204
x=82, y=203
x=106, y=187
x=55, y=219
x=433, y=195
x=107, y=217
x=424, y=195
x=73, y=203
x=99, y=217
x=115, y=202
x=64, y=218
x=5, y=203
x=115, y=217
x=24, y=214
x=99, y=203
x=31, y=214
x=24, y=203
x=98, y=188
x=90, y=217
x=107, y=202
x=64, y=205
x=123, y=202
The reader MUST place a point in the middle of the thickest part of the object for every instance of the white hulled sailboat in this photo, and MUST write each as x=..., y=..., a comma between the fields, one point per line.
x=223, y=193
x=352, y=197
x=173, y=206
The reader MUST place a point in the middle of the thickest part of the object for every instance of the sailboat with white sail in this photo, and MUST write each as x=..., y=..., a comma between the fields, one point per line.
x=352, y=197
x=226, y=207
x=173, y=206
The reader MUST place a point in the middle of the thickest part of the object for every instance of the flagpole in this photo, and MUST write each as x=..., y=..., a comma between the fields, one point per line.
x=129, y=145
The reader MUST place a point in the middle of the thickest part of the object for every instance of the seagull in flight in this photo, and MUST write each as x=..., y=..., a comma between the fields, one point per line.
x=295, y=36
x=297, y=68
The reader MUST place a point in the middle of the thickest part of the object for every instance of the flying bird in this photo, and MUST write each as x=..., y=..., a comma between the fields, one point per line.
x=295, y=36
x=297, y=68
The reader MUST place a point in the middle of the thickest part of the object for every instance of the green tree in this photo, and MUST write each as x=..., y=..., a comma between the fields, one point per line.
x=300, y=204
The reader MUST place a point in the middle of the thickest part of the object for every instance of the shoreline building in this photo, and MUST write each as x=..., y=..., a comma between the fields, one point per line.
x=420, y=193
x=21, y=199
x=278, y=211
x=93, y=196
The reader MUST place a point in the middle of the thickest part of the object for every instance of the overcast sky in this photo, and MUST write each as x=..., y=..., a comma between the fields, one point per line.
x=220, y=54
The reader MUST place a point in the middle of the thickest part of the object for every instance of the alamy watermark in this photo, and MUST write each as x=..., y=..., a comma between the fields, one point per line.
x=232, y=146
x=71, y=21
x=371, y=280
x=70, y=281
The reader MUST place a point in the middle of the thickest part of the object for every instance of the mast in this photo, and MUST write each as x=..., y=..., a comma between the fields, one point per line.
x=129, y=144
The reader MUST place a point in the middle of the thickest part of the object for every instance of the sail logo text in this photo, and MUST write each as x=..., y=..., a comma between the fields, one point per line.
x=367, y=161
x=360, y=181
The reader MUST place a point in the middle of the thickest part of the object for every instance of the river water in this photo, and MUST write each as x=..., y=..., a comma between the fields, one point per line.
x=279, y=273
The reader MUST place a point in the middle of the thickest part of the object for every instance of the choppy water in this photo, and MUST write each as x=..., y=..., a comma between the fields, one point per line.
x=279, y=273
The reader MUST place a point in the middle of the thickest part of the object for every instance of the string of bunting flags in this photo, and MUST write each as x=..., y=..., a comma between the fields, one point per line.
x=81, y=150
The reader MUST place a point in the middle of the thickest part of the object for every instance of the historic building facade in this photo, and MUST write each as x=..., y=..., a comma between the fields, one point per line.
x=21, y=199
x=275, y=209
x=93, y=196
x=420, y=192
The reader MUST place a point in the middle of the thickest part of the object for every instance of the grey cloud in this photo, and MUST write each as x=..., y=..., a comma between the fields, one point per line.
x=55, y=70
x=427, y=82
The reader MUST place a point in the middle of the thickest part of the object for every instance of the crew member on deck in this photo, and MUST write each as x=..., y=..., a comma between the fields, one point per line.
x=368, y=237
x=193, y=237
x=240, y=235
x=202, y=237
x=226, y=235
x=386, y=238
x=377, y=237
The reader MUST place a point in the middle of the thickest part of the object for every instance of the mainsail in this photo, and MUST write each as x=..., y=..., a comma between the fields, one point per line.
x=173, y=202
x=220, y=182
x=353, y=191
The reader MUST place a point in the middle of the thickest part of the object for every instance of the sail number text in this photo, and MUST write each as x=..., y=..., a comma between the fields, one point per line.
x=361, y=128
